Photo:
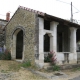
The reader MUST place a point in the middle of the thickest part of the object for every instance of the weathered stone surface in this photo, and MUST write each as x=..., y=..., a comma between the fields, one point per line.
x=26, y=21
x=2, y=32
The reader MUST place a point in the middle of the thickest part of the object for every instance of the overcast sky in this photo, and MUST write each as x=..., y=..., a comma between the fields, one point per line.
x=59, y=8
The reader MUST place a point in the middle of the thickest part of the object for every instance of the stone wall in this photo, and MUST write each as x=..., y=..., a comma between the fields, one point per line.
x=2, y=33
x=27, y=21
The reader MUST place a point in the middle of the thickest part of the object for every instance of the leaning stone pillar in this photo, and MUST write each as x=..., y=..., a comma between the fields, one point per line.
x=73, y=43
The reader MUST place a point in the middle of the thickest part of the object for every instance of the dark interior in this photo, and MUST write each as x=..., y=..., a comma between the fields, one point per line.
x=46, y=43
x=19, y=45
x=46, y=24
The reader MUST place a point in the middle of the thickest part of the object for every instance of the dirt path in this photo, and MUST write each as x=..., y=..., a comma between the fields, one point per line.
x=10, y=70
x=71, y=74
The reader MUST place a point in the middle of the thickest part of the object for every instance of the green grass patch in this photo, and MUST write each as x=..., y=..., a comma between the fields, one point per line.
x=26, y=64
x=56, y=68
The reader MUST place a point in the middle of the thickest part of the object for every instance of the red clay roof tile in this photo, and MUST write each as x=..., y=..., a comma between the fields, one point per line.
x=35, y=11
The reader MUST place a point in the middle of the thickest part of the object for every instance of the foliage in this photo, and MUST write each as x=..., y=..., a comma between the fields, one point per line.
x=51, y=58
x=5, y=55
x=56, y=68
x=26, y=64
x=47, y=59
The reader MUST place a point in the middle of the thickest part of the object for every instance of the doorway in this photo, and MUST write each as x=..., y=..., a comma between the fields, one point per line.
x=46, y=43
x=19, y=45
x=60, y=41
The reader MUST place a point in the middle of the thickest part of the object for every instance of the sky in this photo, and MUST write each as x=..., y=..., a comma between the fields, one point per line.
x=58, y=8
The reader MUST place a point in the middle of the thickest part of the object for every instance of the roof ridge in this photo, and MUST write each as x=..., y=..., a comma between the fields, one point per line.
x=32, y=10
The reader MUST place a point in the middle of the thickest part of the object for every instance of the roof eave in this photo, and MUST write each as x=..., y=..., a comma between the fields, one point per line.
x=60, y=20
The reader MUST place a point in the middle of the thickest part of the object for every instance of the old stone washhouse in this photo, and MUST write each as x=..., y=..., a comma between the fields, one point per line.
x=31, y=34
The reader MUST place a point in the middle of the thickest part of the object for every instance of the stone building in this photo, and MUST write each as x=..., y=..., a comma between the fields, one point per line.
x=2, y=33
x=31, y=34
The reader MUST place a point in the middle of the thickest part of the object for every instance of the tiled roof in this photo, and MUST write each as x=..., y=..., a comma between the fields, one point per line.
x=48, y=17
x=35, y=11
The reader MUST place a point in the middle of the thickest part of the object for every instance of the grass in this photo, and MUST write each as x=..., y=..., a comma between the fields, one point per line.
x=19, y=73
x=14, y=67
x=76, y=69
x=17, y=66
x=26, y=64
x=4, y=71
x=56, y=68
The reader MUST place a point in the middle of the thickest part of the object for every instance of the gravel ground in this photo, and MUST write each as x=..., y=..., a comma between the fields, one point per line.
x=71, y=75
x=10, y=70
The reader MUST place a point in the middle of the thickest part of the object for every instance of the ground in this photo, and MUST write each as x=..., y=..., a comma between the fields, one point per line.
x=72, y=74
x=11, y=70
x=69, y=74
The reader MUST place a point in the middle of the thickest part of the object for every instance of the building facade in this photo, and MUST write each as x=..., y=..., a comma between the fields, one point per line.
x=31, y=34
x=2, y=34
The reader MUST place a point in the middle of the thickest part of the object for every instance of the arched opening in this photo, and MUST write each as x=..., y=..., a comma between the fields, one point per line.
x=78, y=40
x=17, y=49
x=46, y=43
x=19, y=45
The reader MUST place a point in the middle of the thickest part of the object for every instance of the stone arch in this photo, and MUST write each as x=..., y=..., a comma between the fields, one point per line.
x=16, y=28
x=16, y=34
x=78, y=40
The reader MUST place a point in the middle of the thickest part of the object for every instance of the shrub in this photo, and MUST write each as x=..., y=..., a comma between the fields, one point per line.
x=5, y=55
x=51, y=58
x=47, y=59
x=8, y=54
